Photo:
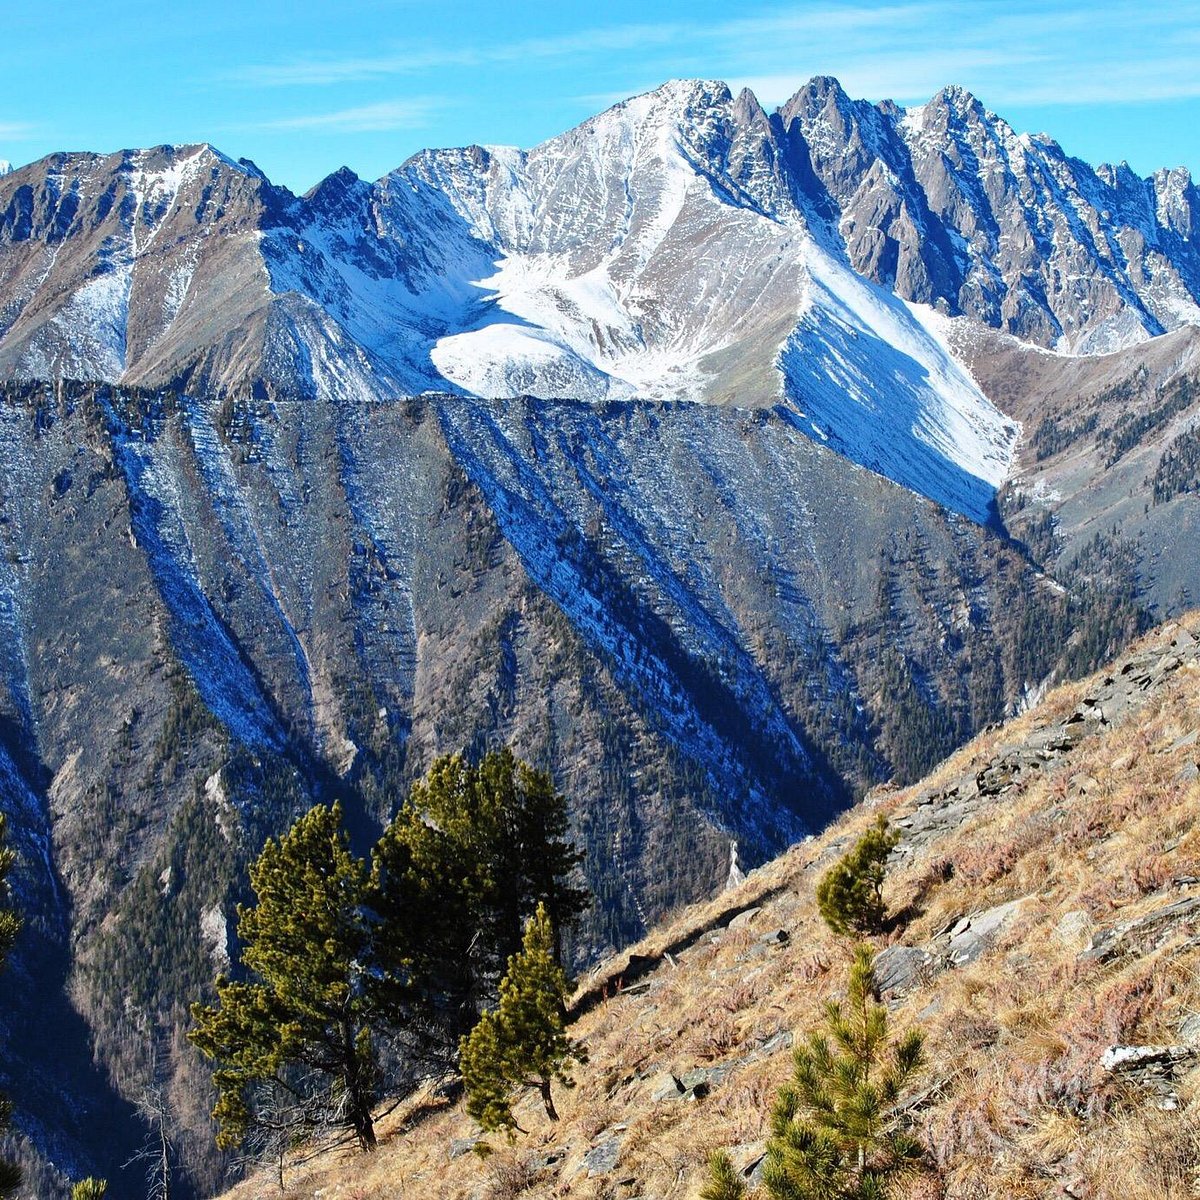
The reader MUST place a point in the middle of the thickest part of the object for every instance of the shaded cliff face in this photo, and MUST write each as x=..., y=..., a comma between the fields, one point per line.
x=217, y=612
x=1106, y=477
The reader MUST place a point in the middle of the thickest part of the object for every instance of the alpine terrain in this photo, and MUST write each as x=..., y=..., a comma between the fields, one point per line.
x=724, y=462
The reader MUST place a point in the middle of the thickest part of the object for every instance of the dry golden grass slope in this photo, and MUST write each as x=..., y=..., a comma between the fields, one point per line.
x=1090, y=824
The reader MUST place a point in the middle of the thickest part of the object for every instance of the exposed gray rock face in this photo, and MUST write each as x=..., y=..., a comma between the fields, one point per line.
x=949, y=205
x=1177, y=918
x=973, y=935
x=665, y=1087
x=1156, y=1069
x=1133, y=683
x=138, y=265
x=602, y=1159
x=745, y=918
x=899, y=969
x=461, y=1146
x=1106, y=475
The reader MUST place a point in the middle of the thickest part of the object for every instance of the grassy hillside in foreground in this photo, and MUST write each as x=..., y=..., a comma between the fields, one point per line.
x=1050, y=873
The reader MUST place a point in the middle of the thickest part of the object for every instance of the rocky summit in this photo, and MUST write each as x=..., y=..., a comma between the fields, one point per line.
x=682, y=245
x=727, y=463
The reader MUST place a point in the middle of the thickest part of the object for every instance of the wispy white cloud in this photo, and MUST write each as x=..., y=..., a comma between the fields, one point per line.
x=673, y=37
x=367, y=118
x=1020, y=53
x=16, y=131
x=417, y=59
x=1010, y=51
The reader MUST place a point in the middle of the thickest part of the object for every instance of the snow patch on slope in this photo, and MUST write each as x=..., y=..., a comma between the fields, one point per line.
x=210, y=654
x=874, y=379
x=92, y=324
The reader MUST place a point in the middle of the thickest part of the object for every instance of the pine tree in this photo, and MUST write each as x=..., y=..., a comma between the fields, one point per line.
x=543, y=859
x=301, y=1025
x=457, y=873
x=850, y=893
x=428, y=883
x=834, y=1130
x=90, y=1189
x=10, y=925
x=724, y=1183
x=523, y=1042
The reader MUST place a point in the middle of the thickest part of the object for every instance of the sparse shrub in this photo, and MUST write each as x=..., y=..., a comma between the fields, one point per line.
x=834, y=1129
x=996, y=855
x=739, y=997
x=850, y=893
x=715, y=1037
x=743, y=1107
x=724, y=1183
x=510, y=1175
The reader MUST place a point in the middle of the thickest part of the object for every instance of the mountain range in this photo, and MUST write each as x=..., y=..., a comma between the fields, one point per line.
x=682, y=245
x=726, y=462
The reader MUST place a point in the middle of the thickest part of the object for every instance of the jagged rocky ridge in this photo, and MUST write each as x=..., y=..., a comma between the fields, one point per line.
x=682, y=245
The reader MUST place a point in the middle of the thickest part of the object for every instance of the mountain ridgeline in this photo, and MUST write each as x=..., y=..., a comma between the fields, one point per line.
x=723, y=463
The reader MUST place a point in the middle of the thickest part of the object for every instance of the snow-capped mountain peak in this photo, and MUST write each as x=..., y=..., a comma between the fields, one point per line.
x=681, y=245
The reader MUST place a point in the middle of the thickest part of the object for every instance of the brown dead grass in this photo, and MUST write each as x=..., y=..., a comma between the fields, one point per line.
x=1018, y=1107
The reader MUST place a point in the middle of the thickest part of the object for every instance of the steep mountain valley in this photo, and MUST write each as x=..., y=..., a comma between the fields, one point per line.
x=728, y=464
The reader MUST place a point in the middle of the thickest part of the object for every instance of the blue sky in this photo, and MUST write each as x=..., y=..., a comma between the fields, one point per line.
x=307, y=86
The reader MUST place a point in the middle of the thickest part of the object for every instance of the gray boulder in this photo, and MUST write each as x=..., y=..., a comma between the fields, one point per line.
x=900, y=969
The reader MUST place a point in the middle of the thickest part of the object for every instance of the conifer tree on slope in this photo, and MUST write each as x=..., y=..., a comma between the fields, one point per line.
x=850, y=893
x=473, y=851
x=522, y=1043
x=10, y=926
x=834, y=1132
x=302, y=1025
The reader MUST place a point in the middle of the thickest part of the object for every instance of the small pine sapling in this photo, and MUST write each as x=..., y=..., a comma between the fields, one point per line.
x=850, y=893
x=522, y=1043
x=90, y=1189
x=835, y=1132
x=724, y=1182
